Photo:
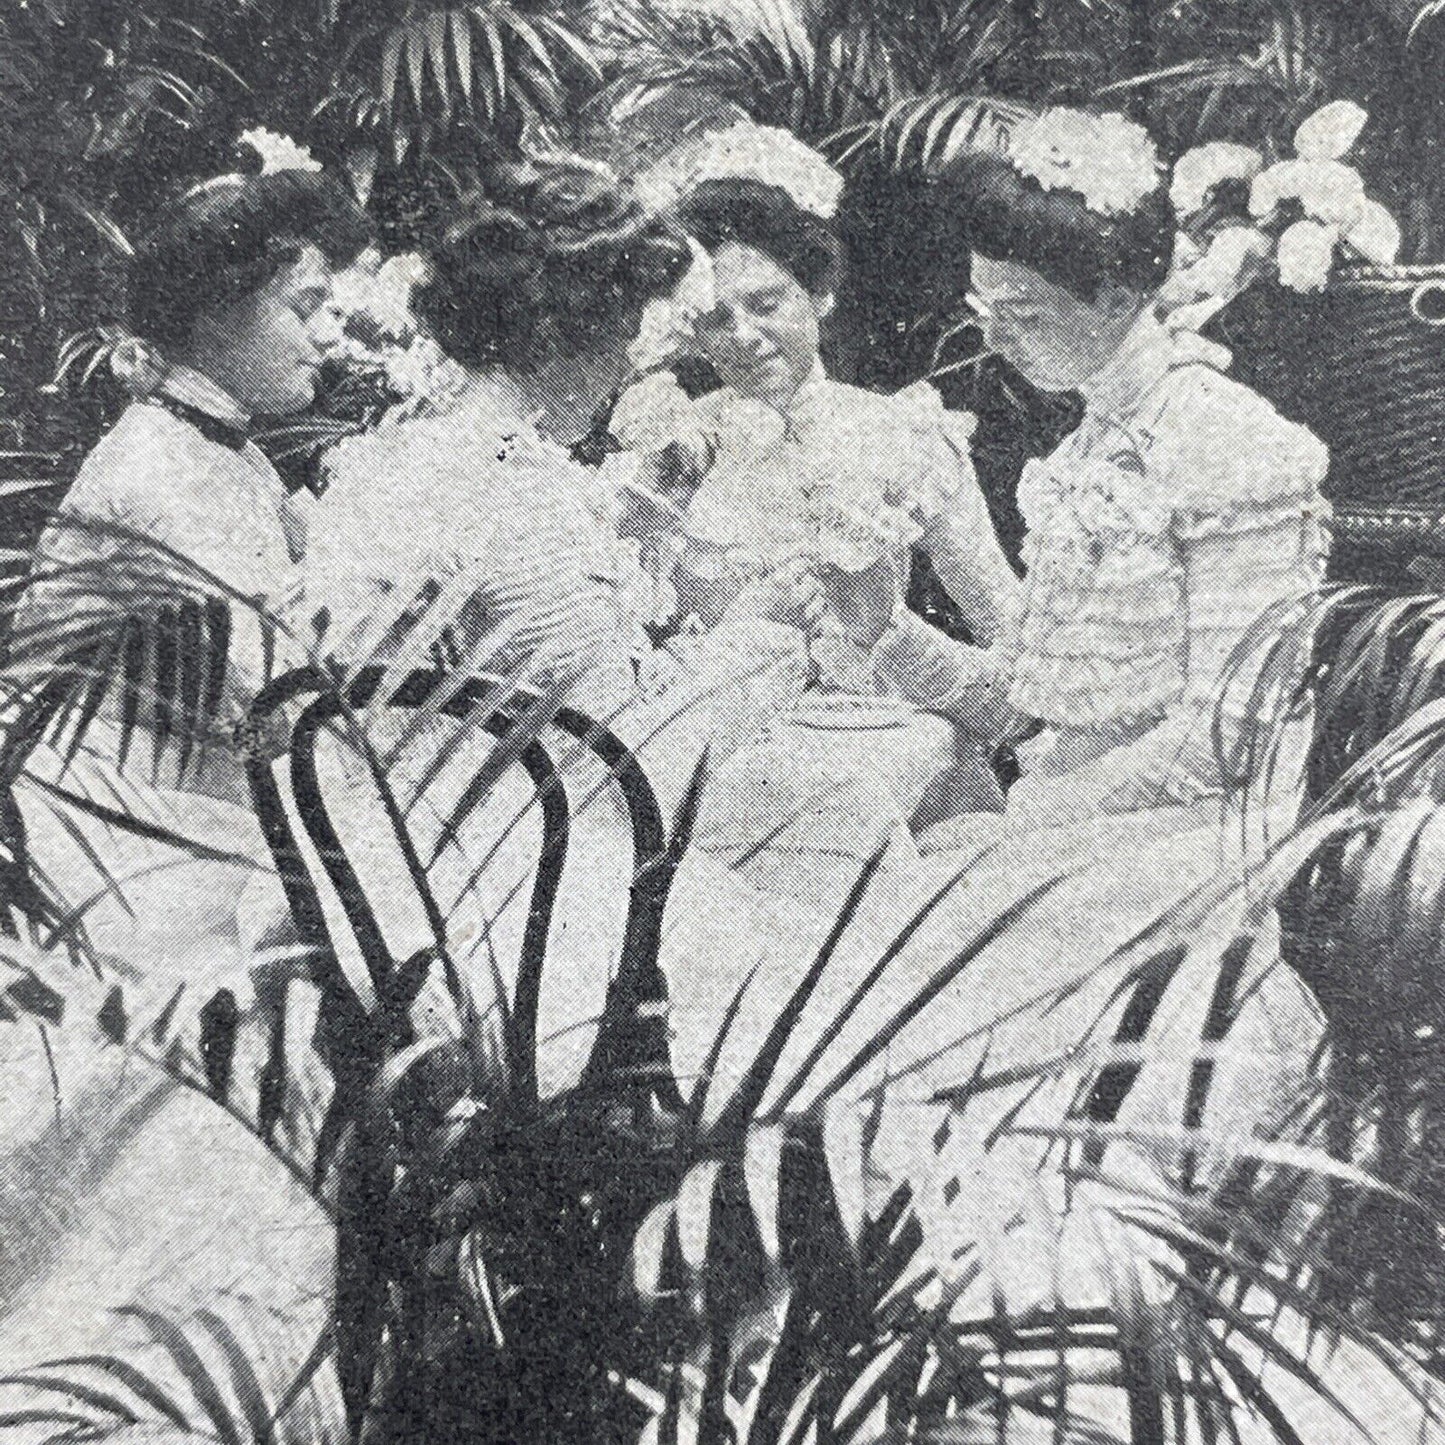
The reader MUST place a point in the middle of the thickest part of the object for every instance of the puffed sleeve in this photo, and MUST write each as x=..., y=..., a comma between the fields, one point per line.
x=1249, y=525
x=958, y=533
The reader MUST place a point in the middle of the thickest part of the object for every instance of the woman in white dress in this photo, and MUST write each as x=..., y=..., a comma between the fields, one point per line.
x=232, y=296
x=781, y=464
x=480, y=506
x=175, y=507
x=1163, y=536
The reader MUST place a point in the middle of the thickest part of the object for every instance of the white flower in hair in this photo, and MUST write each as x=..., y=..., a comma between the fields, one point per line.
x=278, y=152
x=775, y=157
x=1108, y=160
x=745, y=151
x=381, y=291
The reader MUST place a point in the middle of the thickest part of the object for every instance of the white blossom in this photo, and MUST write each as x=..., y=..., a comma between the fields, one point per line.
x=392, y=291
x=1306, y=255
x=351, y=289
x=423, y=372
x=1200, y=170
x=1331, y=132
x=1329, y=190
x=278, y=152
x=1108, y=160
x=1375, y=235
x=381, y=291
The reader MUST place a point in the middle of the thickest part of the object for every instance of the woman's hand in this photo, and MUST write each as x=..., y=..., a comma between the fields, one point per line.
x=863, y=603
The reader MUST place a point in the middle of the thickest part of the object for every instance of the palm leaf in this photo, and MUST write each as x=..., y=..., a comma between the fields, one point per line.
x=459, y=27
x=744, y=1104
x=43, y=1378
x=245, y=1382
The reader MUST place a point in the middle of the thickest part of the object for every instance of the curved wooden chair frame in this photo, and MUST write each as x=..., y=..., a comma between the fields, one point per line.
x=631, y=1046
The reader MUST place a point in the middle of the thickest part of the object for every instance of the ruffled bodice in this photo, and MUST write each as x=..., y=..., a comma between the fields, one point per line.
x=1181, y=511
x=845, y=475
x=845, y=479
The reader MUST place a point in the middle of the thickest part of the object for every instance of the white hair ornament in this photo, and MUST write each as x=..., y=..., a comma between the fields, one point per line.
x=1107, y=160
x=745, y=150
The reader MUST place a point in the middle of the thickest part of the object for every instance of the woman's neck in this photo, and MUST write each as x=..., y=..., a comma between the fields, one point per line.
x=196, y=385
x=566, y=394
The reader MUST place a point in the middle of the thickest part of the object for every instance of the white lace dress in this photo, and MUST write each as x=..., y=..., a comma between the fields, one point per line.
x=1183, y=509
x=479, y=505
x=1168, y=537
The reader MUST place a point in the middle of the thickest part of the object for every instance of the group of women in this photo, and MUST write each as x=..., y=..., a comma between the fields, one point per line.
x=729, y=581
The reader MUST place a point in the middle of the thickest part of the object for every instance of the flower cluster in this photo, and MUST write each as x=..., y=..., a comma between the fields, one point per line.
x=744, y=151
x=1108, y=159
x=381, y=336
x=1303, y=210
x=379, y=292
x=759, y=502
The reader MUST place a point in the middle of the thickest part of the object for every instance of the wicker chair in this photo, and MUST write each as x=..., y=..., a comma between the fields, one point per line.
x=1362, y=363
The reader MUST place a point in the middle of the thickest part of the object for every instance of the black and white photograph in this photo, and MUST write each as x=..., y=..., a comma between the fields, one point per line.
x=722, y=722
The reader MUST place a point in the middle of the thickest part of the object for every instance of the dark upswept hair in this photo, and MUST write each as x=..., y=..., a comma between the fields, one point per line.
x=1011, y=217
x=225, y=240
x=768, y=219
x=559, y=266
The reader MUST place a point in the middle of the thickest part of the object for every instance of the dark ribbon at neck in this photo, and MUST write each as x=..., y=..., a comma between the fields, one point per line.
x=213, y=428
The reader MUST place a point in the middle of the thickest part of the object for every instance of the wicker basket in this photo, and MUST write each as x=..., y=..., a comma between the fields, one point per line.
x=1363, y=365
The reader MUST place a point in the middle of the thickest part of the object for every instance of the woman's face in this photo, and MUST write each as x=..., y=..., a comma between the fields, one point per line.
x=266, y=349
x=762, y=334
x=1055, y=338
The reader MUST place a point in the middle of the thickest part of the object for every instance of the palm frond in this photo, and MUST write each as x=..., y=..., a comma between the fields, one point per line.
x=474, y=63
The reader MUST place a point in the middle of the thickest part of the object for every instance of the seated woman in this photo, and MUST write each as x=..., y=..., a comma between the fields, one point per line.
x=783, y=466
x=1166, y=537
x=146, y=834
x=472, y=528
x=1181, y=512
x=230, y=295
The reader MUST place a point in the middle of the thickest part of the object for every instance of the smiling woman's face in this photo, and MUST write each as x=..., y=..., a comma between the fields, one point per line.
x=265, y=350
x=762, y=335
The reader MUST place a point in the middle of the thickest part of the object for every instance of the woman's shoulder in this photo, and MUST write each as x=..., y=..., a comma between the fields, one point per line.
x=434, y=460
x=146, y=452
x=1219, y=443
x=158, y=474
x=454, y=485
